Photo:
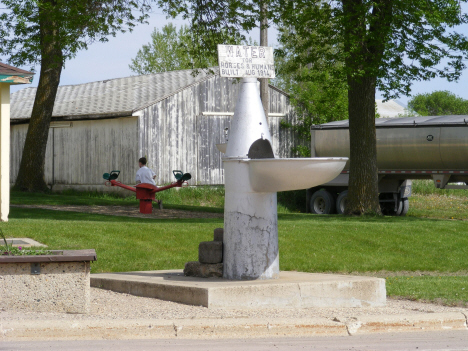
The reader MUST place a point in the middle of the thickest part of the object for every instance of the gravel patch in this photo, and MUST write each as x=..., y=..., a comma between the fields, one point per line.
x=116, y=306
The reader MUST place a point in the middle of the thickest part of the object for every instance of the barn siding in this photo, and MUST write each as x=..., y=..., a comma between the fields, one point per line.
x=172, y=133
x=175, y=135
x=17, y=139
x=83, y=152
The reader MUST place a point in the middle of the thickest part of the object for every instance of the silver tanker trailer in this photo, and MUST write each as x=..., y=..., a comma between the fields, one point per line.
x=407, y=148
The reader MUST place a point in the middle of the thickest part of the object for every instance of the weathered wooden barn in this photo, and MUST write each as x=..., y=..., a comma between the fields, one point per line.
x=173, y=118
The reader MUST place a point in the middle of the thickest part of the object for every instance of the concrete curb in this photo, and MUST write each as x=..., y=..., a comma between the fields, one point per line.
x=408, y=323
x=225, y=328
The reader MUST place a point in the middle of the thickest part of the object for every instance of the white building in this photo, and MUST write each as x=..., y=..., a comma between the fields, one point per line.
x=172, y=118
x=390, y=108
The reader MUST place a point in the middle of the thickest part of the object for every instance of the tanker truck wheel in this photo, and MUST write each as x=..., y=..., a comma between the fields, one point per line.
x=341, y=202
x=322, y=202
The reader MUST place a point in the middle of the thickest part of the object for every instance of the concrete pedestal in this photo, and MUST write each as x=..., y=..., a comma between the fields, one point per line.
x=291, y=289
x=250, y=218
x=250, y=227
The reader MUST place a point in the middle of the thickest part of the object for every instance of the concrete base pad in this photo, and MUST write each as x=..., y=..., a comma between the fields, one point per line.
x=292, y=289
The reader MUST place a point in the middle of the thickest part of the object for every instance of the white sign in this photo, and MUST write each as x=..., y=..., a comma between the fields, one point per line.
x=246, y=61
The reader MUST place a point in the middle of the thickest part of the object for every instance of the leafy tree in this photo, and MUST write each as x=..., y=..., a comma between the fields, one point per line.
x=168, y=51
x=171, y=50
x=49, y=32
x=438, y=103
x=385, y=44
x=214, y=22
x=318, y=90
x=317, y=99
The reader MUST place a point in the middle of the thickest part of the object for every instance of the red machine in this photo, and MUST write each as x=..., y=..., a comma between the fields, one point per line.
x=146, y=192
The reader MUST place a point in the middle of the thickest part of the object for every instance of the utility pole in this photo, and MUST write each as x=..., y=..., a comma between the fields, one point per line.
x=264, y=92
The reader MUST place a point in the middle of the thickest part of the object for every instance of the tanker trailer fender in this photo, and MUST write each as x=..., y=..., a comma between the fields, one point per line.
x=406, y=189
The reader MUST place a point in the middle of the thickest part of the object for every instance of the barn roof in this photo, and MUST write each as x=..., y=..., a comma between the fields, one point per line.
x=111, y=97
x=117, y=97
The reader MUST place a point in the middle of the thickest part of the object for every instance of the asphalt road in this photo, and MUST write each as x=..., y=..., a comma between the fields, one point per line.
x=422, y=341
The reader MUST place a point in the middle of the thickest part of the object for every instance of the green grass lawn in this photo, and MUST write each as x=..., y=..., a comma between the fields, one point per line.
x=309, y=243
x=200, y=198
x=439, y=206
x=430, y=202
x=121, y=243
x=452, y=291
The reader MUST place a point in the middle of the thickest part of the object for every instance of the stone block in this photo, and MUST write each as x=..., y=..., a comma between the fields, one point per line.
x=210, y=252
x=203, y=270
x=218, y=234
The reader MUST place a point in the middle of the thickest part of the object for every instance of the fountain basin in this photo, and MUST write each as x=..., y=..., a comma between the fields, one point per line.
x=283, y=174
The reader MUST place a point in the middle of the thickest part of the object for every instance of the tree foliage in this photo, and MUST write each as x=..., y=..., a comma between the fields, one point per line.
x=438, y=103
x=169, y=50
x=214, y=22
x=385, y=45
x=49, y=32
x=318, y=90
x=79, y=23
x=405, y=40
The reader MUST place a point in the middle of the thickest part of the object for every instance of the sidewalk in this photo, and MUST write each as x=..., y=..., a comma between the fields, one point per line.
x=121, y=316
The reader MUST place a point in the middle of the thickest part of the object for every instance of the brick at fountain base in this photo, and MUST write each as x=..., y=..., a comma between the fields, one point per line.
x=210, y=252
x=203, y=270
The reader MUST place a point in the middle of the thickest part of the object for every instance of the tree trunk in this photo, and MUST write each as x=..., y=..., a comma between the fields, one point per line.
x=264, y=91
x=31, y=172
x=363, y=177
x=363, y=53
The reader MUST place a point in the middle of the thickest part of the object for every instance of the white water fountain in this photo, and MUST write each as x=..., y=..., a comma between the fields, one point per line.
x=253, y=176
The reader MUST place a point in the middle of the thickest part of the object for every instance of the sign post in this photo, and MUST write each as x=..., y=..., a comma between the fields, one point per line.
x=246, y=61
